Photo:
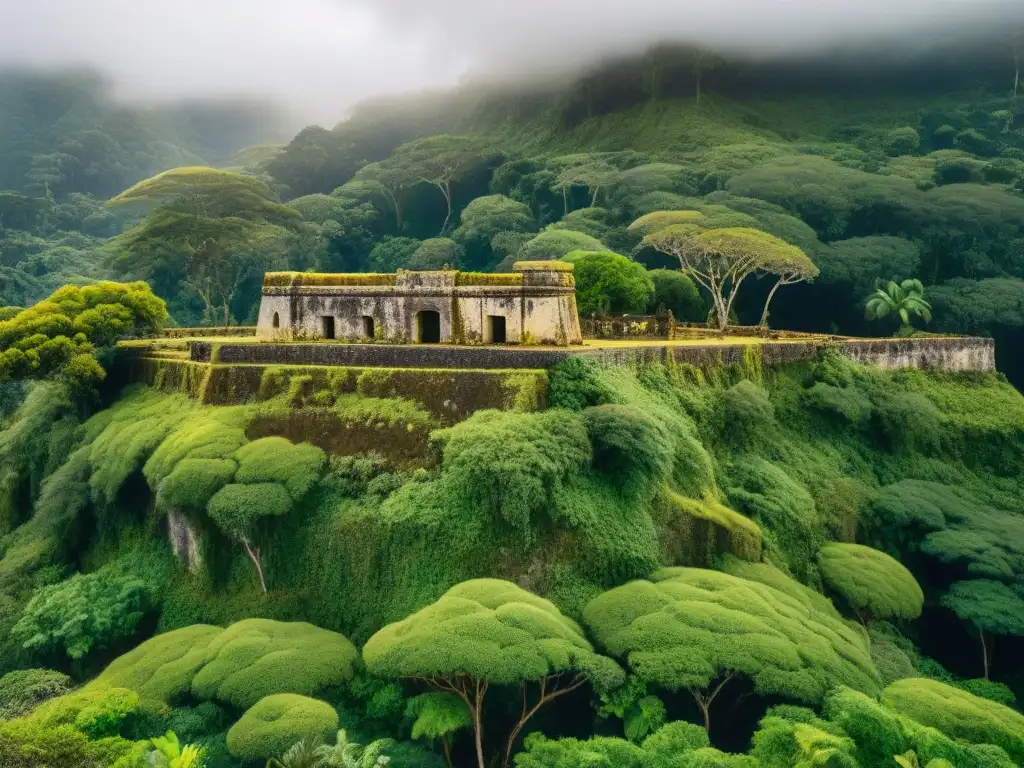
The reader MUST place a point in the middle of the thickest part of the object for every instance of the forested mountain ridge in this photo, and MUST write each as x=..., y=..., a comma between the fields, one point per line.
x=653, y=565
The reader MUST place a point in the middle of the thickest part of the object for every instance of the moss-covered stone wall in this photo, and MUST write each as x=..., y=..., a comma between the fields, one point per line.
x=449, y=395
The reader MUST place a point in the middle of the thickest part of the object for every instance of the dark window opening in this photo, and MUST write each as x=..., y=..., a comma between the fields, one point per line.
x=428, y=327
x=277, y=320
x=328, y=327
x=494, y=333
x=368, y=328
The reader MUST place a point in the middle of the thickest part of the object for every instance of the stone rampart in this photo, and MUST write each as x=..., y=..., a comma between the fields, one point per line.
x=935, y=353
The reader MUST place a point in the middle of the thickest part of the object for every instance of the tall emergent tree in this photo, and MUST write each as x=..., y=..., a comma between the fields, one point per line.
x=695, y=630
x=439, y=161
x=209, y=228
x=490, y=632
x=721, y=259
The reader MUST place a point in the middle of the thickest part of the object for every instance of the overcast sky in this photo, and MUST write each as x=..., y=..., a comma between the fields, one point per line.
x=321, y=56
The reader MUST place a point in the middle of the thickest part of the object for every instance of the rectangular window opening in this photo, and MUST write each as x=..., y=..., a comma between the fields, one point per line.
x=494, y=331
x=328, y=327
x=368, y=329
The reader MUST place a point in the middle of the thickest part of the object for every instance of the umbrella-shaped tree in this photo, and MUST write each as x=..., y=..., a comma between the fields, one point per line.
x=720, y=260
x=695, y=630
x=490, y=632
x=873, y=584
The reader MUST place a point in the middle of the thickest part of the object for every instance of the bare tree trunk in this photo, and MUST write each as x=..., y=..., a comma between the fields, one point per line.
x=478, y=728
x=1016, y=69
x=593, y=199
x=446, y=190
x=565, y=202
x=771, y=295
x=545, y=697
x=704, y=702
x=254, y=555
x=984, y=651
x=447, y=750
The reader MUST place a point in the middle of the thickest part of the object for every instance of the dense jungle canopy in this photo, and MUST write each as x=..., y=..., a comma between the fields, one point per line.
x=739, y=566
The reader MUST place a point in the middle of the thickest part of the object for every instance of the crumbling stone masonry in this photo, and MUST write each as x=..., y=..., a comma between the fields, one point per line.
x=535, y=304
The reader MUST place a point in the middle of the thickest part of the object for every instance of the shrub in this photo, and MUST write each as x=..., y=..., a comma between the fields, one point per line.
x=958, y=714
x=791, y=528
x=676, y=292
x=600, y=752
x=871, y=582
x=161, y=669
x=908, y=421
x=23, y=690
x=573, y=384
x=902, y=141
x=847, y=403
x=629, y=446
x=275, y=723
x=194, y=482
x=84, y=613
x=255, y=658
x=607, y=283
x=104, y=715
x=512, y=464
x=748, y=412
x=277, y=460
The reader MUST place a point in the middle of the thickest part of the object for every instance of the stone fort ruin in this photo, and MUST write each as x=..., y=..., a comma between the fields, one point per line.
x=534, y=304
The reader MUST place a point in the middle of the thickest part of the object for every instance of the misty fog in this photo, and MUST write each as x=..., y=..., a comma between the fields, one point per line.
x=318, y=57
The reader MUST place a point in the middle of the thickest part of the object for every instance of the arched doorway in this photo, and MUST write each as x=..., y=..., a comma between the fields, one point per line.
x=428, y=327
x=277, y=320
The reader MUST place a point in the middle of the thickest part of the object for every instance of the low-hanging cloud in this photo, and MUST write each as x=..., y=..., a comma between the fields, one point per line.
x=321, y=56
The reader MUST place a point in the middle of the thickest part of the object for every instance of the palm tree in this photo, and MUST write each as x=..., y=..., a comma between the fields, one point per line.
x=168, y=752
x=348, y=754
x=301, y=755
x=904, y=299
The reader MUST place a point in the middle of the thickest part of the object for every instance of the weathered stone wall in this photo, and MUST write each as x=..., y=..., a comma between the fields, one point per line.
x=537, y=305
x=952, y=354
x=209, y=331
x=448, y=394
x=948, y=354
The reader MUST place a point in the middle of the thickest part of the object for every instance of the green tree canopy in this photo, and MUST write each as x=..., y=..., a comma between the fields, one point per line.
x=209, y=228
x=554, y=244
x=236, y=666
x=439, y=161
x=957, y=713
x=254, y=658
x=484, y=219
x=609, y=283
x=694, y=629
x=991, y=606
x=871, y=582
x=490, y=632
x=86, y=612
x=437, y=253
x=676, y=292
x=59, y=336
x=721, y=259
